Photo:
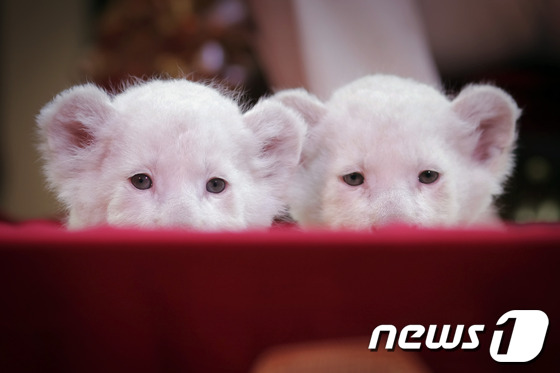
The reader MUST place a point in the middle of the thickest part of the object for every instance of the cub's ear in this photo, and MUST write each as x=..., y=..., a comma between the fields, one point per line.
x=311, y=109
x=281, y=133
x=492, y=114
x=307, y=105
x=69, y=128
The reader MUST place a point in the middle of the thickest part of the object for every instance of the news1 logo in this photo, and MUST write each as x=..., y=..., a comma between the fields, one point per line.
x=525, y=343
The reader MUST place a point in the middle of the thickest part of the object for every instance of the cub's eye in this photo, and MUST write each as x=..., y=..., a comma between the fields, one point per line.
x=216, y=185
x=428, y=176
x=141, y=181
x=353, y=179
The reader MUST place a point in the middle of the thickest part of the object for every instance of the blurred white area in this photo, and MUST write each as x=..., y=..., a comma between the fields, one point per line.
x=344, y=40
x=336, y=42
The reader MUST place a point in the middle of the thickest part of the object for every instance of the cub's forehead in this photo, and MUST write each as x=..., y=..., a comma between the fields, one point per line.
x=388, y=107
x=389, y=120
x=176, y=114
x=389, y=96
x=386, y=122
x=176, y=105
x=173, y=92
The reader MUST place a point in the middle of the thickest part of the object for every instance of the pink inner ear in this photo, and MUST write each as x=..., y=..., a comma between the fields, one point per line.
x=271, y=144
x=495, y=135
x=69, y=137
x=273, y=149
x=79, y=136
x=490, y=143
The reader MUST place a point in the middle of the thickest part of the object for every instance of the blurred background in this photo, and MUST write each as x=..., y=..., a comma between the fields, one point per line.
x=263, y=45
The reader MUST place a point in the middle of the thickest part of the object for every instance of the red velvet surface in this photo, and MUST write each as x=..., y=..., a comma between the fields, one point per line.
x=108, y=300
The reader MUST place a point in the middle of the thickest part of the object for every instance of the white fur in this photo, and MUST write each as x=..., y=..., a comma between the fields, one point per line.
x=181, y=134
x=391, y=129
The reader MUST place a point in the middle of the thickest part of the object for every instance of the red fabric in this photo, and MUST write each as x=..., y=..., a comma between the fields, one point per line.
x=145, y=301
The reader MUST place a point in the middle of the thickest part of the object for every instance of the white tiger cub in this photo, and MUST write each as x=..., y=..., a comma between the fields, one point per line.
x=168, y=153
x=385, y=149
